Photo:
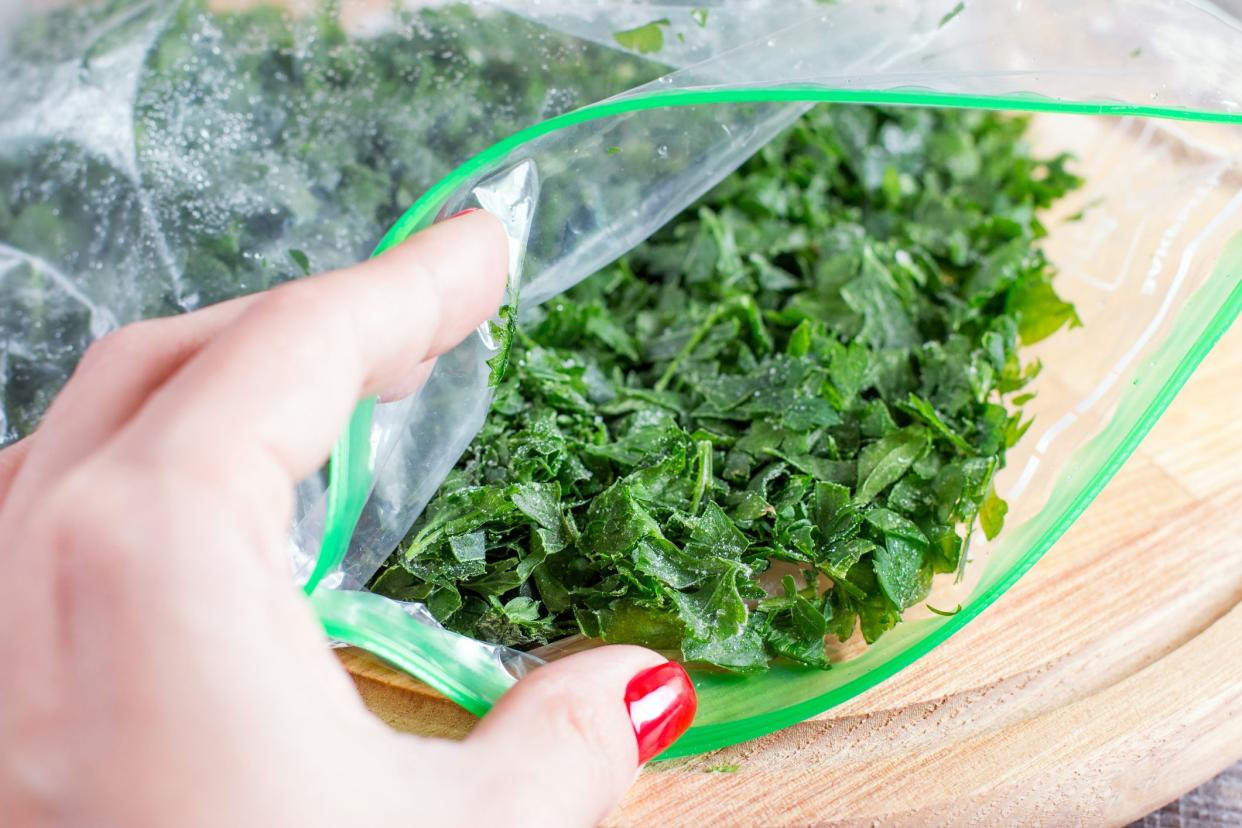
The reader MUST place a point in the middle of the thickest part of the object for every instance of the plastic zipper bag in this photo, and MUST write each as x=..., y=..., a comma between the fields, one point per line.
x=1152, y=265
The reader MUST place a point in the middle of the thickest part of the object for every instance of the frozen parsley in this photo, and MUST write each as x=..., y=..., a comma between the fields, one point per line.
x=646, y=39
x=816, y=365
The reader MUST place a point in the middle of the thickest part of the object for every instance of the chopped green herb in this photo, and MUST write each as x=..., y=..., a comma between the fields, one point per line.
x=502, y=332
x=1079, y=215
x=948, y=613
x=992, y=515
x=954, y=12
x=646, y=39
x=809, y=367
x=301, y=260
x=699, y=15
x=1039, y=311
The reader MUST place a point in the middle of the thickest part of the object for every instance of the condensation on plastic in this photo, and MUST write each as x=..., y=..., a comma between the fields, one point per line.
x=1149, y=264
x=141, y=137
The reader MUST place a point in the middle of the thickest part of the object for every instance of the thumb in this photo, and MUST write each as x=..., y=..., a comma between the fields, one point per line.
x=563, y=746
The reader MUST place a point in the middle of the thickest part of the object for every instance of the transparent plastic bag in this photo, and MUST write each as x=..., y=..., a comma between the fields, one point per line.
x=1152, y=266
x=1105, y=383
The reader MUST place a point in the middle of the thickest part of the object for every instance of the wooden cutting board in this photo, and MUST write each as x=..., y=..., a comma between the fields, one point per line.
x=1106, y=683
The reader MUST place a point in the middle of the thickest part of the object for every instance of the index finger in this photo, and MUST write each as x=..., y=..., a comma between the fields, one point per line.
x=272, y=391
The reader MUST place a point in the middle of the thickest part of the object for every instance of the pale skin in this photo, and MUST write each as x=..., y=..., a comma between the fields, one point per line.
x=159, y=666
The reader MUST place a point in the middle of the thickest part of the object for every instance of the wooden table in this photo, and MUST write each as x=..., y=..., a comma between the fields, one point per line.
x=1107, y=683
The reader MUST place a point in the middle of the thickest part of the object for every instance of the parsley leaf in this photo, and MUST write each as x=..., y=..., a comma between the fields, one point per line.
x=646, y=39
x=502, y=332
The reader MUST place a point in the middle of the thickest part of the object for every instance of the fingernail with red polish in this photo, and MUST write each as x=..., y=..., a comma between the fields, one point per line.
x=465, y=212
x=662, y=702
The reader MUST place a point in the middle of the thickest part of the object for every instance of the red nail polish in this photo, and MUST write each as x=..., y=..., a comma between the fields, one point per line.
x=464, y=212
x=662, y=702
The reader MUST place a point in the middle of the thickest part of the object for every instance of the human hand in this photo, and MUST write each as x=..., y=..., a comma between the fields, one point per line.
x=159, y=665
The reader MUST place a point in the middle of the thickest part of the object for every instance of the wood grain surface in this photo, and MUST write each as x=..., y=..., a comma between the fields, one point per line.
x=1107, y=683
